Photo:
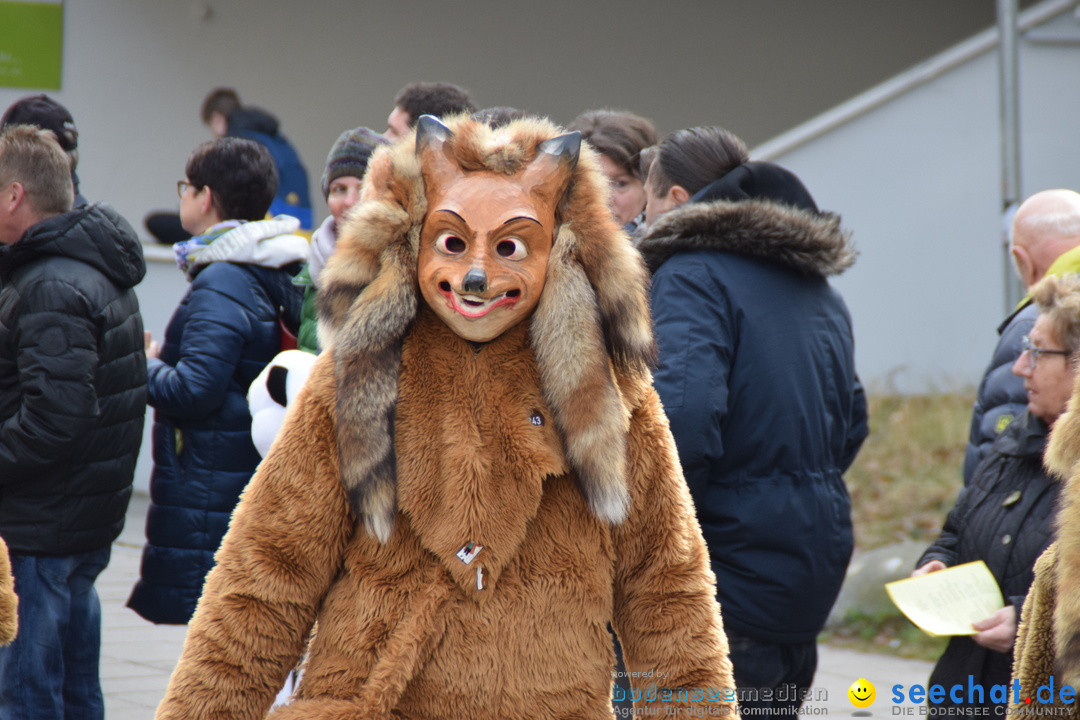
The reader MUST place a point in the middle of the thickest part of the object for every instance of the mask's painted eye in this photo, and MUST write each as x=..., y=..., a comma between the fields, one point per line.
x=512, y=249
x=450, y=244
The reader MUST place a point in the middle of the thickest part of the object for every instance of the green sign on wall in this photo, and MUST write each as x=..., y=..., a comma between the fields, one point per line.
x=31, y=43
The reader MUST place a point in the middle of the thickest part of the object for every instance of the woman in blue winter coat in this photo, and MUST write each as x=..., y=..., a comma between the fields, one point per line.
x=225, y=330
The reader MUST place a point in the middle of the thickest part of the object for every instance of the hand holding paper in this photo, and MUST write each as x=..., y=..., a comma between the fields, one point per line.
x=948, y=601
x=997, y=632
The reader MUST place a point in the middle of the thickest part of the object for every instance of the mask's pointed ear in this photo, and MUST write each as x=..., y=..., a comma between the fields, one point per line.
x=566, y=147
x=437, y=165
x=549, y=173
x=430, y=130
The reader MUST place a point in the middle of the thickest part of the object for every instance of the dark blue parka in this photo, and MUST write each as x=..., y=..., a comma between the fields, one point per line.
x=221, y=336
x=292, y=196
x=758, y=380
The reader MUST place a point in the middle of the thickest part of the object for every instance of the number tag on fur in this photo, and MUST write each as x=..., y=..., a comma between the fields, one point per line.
x=468, y=552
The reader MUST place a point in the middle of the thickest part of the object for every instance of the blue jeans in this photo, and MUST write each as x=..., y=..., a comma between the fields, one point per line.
x=772, y=678
x=50, y=672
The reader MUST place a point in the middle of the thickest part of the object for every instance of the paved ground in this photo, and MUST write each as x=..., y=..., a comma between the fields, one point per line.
x=137, y=656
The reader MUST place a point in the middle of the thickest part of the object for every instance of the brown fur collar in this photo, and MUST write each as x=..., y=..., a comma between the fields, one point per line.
x=809, y=243
x=592, y=323
x=472, y=452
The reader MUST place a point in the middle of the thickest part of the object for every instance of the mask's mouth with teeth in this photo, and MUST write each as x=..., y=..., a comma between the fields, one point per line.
x=475, y=306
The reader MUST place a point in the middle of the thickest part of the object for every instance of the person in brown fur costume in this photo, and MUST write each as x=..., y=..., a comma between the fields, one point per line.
x=478, y=477
x=9, y=603
x=1046, y=653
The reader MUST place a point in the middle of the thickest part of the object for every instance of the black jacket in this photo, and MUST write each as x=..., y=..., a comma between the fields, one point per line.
x=757, y=377
x=72, y=382
x=1001, y=397
x=1004, y=517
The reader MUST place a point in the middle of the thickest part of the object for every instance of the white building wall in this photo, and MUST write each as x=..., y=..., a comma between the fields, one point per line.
x=136, y=71
x=918, y=182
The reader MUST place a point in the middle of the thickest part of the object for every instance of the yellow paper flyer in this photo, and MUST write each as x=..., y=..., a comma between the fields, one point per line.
x=946, y=602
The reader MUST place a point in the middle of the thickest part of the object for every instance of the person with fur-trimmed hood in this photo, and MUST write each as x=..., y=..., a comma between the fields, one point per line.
x=758, y=380
x=478, y=477
x=341, y=180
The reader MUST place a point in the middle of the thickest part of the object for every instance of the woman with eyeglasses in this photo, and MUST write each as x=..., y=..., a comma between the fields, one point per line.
x=227, y=327
x=1004, y=516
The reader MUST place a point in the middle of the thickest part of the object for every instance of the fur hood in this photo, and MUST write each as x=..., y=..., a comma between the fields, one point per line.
x=802, y=240
x=591, y=326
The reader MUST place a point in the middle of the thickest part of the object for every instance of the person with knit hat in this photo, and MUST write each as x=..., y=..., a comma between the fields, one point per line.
x=341, y=180
x=44, y=112
x=269, y=394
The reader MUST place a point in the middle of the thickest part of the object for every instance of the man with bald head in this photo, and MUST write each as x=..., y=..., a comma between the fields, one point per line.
x=1045, y=240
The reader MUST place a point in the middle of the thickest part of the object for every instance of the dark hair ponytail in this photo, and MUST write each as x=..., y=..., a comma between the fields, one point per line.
x=694, y=157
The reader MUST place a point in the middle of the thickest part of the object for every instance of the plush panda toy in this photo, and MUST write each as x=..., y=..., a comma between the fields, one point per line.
x=272, y=391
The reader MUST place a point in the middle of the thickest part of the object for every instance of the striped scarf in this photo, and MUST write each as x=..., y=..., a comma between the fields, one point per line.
x=187, y=250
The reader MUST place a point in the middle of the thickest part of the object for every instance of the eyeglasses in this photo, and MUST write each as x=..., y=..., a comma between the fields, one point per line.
x=181, y=186
x=1033, y=351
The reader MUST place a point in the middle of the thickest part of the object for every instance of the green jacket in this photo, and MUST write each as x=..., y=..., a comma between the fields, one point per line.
x=307, y=339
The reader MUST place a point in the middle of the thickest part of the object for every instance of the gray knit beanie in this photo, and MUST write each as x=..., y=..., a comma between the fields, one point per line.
x=350, y=154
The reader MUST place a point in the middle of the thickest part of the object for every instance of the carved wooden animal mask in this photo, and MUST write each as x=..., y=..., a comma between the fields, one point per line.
x=589, y=329
x=487, y=236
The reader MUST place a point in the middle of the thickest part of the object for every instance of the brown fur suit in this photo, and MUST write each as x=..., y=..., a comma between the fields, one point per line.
x=547, y=446
x=1048, y=639
x=9, y=604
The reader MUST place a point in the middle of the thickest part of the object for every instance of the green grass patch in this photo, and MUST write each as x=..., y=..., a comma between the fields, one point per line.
x=906, y=477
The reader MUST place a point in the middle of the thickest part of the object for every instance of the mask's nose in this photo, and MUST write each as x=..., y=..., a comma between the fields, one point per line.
x=475, y=281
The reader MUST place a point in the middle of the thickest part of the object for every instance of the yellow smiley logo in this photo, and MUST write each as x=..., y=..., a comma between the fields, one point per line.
x=862, y=693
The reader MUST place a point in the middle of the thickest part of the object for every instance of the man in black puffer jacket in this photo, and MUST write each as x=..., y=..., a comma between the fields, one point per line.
x=72, y=402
